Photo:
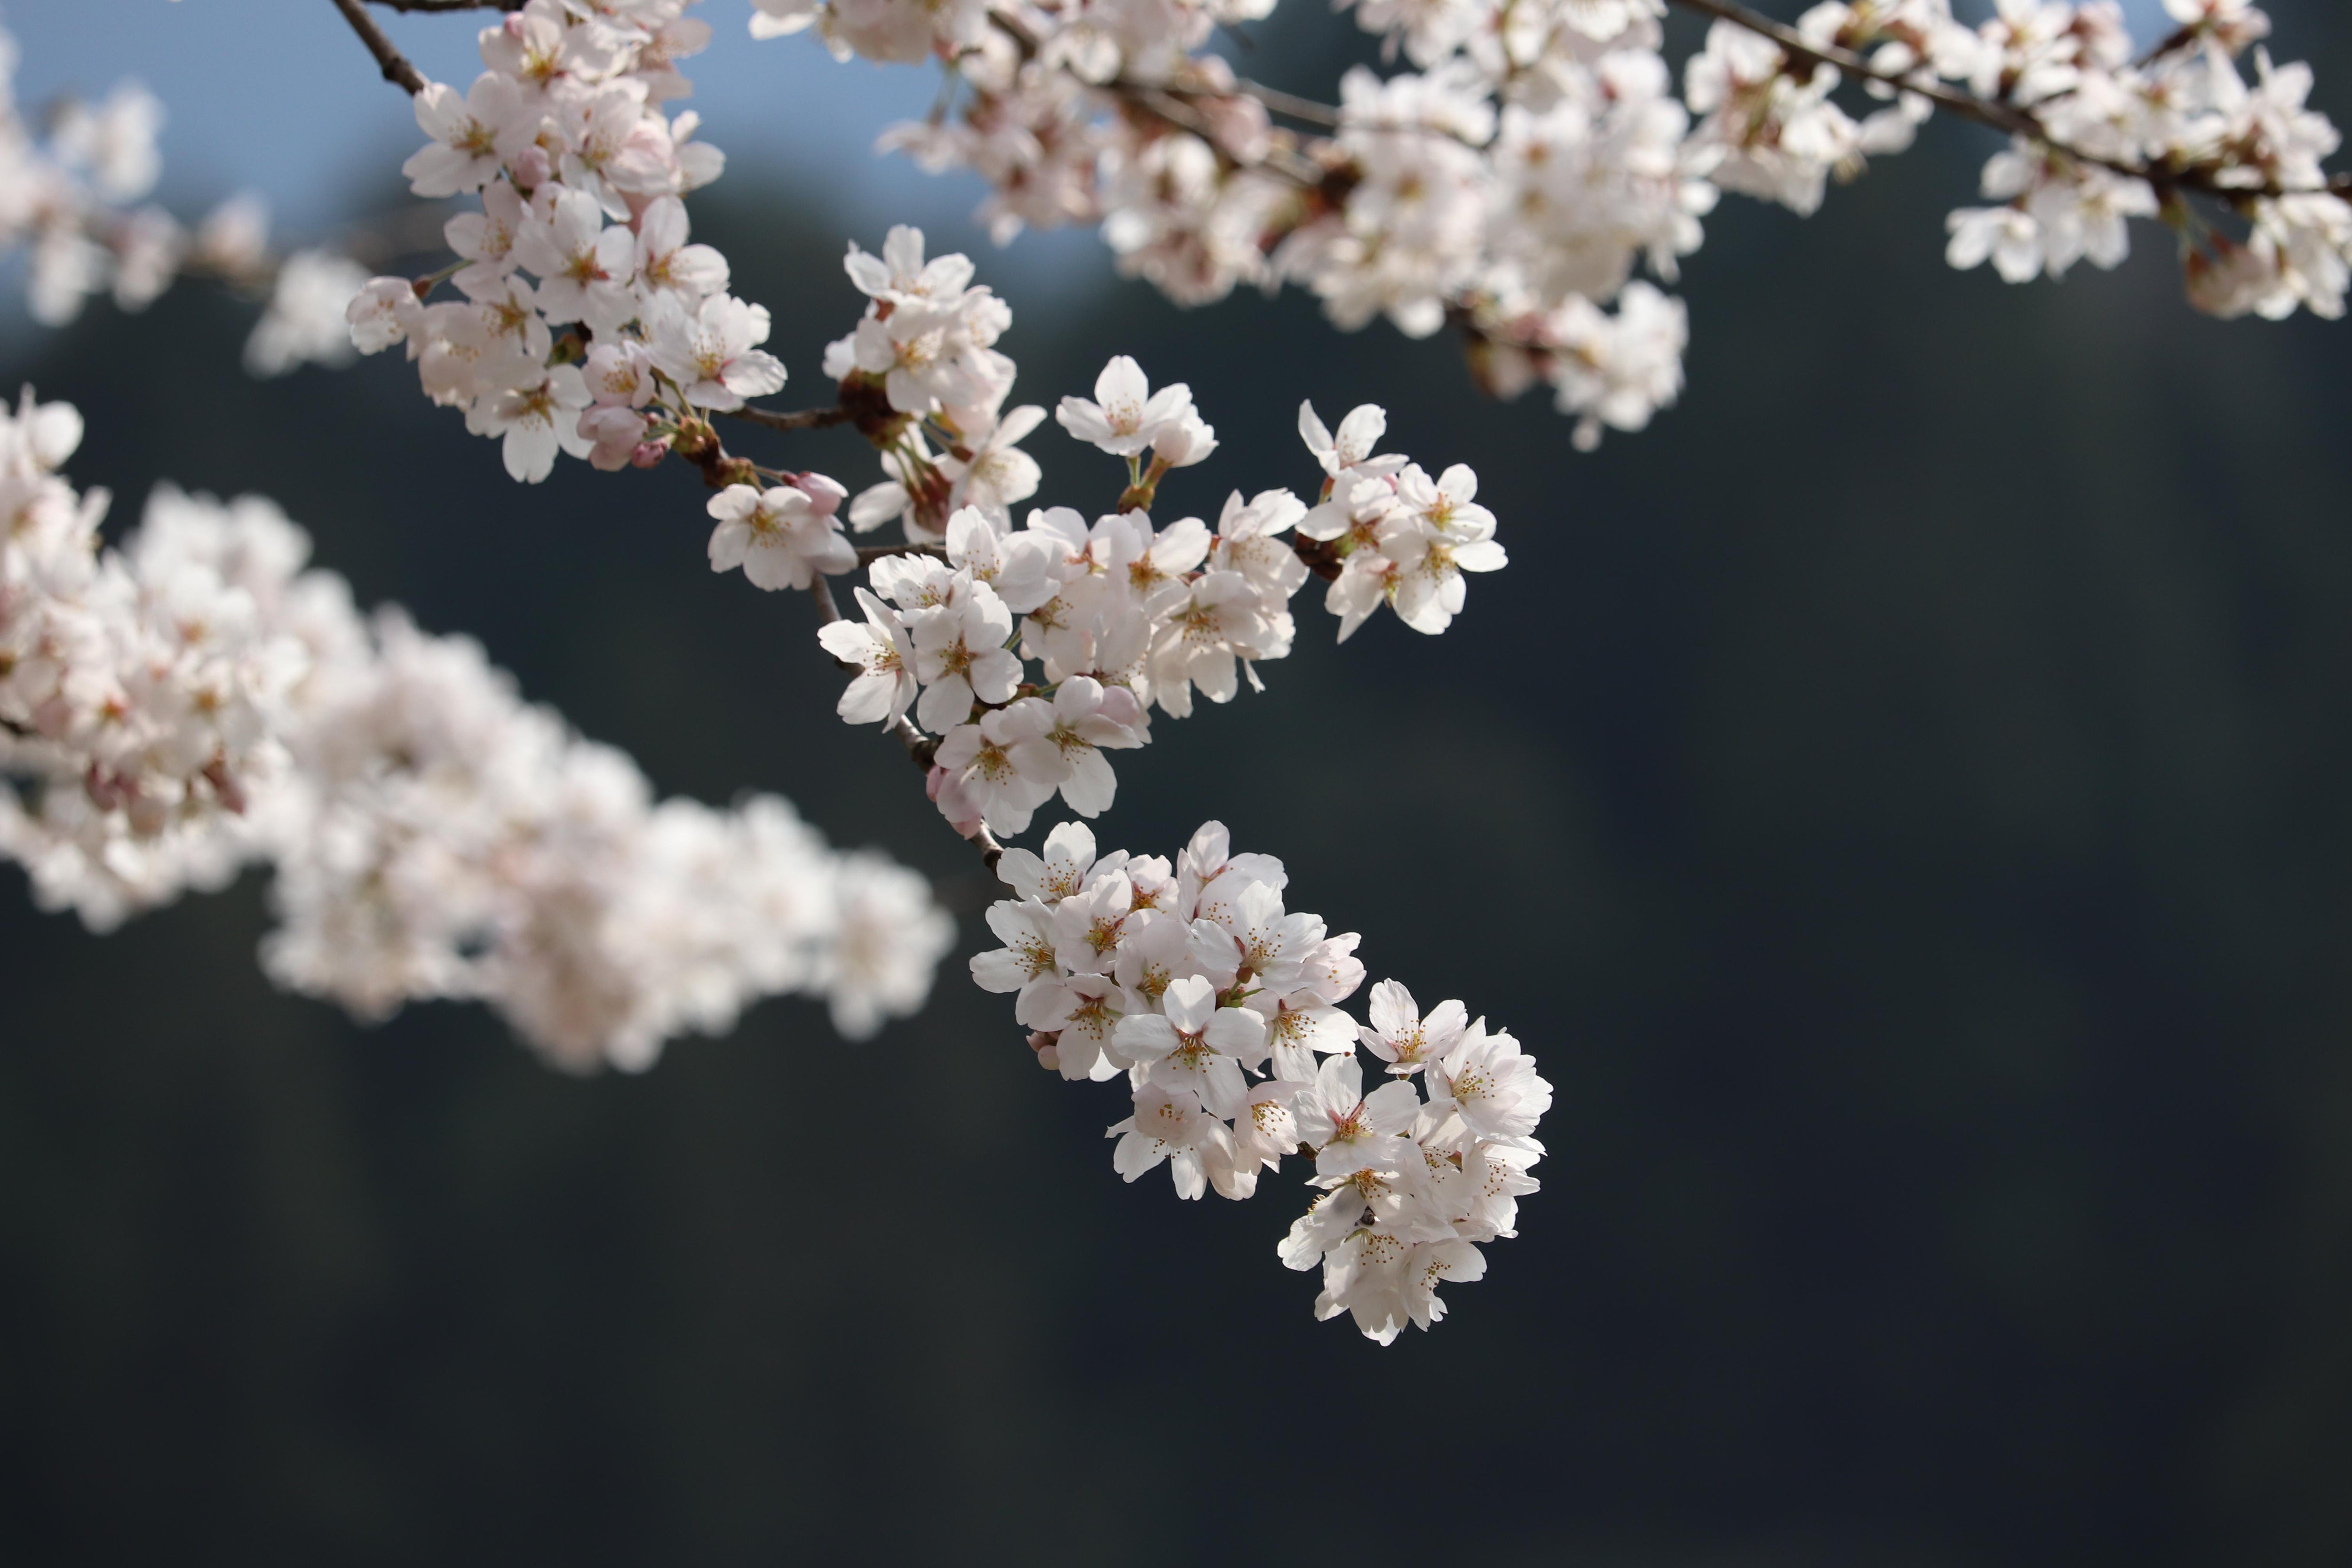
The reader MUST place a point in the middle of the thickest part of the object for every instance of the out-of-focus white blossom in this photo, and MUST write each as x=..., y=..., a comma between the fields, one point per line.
x=196, y=700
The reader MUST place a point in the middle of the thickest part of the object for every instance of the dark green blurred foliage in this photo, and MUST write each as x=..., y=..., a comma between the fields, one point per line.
x=1900, y=797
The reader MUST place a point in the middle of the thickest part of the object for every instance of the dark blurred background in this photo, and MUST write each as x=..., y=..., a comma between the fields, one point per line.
x=1900, y=798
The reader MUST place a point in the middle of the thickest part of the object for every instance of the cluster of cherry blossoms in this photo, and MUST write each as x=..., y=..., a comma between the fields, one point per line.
x=196, y=700
x=67, y=195
x=1120, y=615
x=2182, y=109
x=1221, y=1008
x=1538, y=155
x=587, y=323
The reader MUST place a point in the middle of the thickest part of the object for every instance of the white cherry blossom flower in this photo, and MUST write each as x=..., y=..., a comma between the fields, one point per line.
x=1088, y=719
x=1195, y=1046
x=1004, y=765
x=998, y=473
x=666, y=261
x=538, y=420
x=1401, y=1037
x=584, y=267
x=781, y=537
x=961, y=656
x=1349, y=1130
x=474, y=134
x=1349, y=453
x=900, y=276
x=885, y=685
x=712, y=351
x=1058, y=873
x=1125, y=416
x=1492, y=1084
x=1169, y=1126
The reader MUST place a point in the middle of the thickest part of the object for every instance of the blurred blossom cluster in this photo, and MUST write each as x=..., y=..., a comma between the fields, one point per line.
x=196, y=700
x=66, y=193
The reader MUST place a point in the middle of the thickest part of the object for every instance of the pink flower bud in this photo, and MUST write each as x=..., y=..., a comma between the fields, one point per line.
x=618, y=433
x=649, y=453
x=825, y=495
x=947, y=791
x=533, y=166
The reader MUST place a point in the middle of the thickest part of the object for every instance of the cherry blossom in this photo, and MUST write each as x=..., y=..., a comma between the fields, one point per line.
x=1125, y=416
x=781, y=537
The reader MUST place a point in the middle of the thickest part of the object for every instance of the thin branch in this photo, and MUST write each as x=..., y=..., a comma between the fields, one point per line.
x=827, y=612
x=396, y=68
x=1291, y=104
x=1168, y=105
x=2003, y=117
x=869, y=553
x=2180, y=38
x=443, y=4
x=793, y=419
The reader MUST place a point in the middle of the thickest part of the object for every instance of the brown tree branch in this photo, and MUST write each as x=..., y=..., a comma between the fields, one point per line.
x=869, y=553
x=443, y=4
x=1301, y=108
x=396, y=68
x=793, y=419
x=1170, y=106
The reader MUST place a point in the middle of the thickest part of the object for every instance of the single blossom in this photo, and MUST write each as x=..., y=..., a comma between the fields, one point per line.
x=782, y=538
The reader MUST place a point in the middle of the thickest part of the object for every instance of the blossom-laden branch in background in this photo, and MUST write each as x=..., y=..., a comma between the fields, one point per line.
x=72, y=192
x=1513, y=183
x=1220, y=1009
x=197, y=702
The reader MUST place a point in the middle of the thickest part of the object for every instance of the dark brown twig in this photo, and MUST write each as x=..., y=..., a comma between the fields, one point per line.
x=396, y=68
x=443, y=4
x=793, y=419
x=1171, y=105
